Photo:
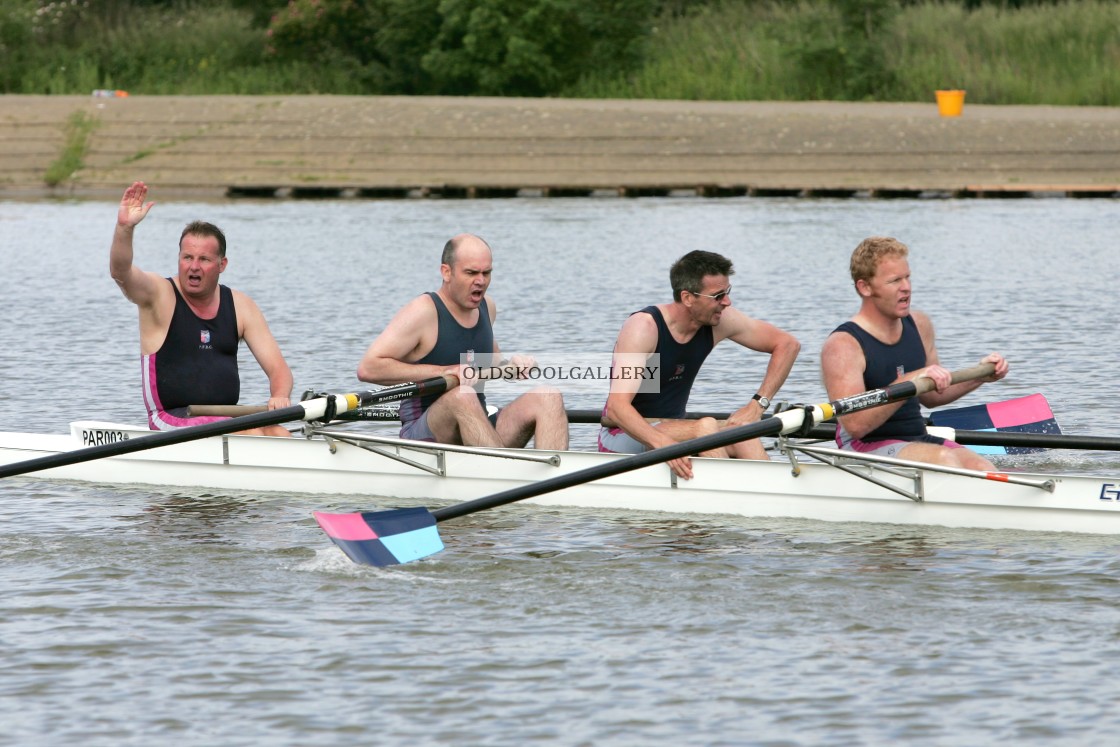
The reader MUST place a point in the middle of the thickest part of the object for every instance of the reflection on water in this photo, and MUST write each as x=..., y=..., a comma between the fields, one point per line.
x=199, y=517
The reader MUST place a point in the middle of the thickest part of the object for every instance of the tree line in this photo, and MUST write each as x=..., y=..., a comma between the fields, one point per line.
x=831, y=49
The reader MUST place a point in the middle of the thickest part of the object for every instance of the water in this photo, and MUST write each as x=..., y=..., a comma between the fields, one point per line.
x=137, y=616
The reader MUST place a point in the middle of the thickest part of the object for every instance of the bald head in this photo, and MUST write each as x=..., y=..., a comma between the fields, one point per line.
x=467, y=243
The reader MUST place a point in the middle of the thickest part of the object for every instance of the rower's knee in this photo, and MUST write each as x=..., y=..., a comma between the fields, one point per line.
x=277, y=431
x=461, y=404
x=705, y=426
x=548, y=400
x=969, y=459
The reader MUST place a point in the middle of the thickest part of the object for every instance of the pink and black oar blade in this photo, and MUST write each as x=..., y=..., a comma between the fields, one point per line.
x=1030, y=414
x=383, y=538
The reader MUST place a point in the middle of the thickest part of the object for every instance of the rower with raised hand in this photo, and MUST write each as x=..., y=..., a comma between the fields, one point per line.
x=448, y=332
x=190, y=326
x=682, y=333
x=885, y=342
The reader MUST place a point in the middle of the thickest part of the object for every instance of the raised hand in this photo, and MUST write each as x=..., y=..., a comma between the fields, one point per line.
x=133, y=209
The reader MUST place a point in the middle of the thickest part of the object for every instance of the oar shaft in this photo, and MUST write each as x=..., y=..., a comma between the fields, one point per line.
x=1034, y=440
x=596, y=416
x=311, y=409
x=783, y=422
x=616, y=467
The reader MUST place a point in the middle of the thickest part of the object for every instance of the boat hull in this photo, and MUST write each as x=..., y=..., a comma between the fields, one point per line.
x=387, y=469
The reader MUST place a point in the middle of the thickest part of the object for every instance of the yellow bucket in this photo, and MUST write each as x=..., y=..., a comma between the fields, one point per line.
x=950, y=103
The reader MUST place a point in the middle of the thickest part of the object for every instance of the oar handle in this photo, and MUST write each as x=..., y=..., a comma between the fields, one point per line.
x=224, y=411
x=981, y=371
x=235, y=411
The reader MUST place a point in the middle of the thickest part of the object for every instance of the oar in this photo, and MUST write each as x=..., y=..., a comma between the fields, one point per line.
x=582, y=417
x=1015, y=417
x=394, y=536
x=1029, y=414
x=232, y=411
x=1025, y=442
x=596, y=416
x=312, y=409
x=224, y=411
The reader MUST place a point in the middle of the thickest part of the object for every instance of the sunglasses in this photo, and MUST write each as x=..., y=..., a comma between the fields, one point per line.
x=717, y=297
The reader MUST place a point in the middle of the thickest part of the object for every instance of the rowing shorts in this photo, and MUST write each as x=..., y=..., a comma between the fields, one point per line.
x=616, y=441
x=169, y=420
x=888, y=447
x=418, y=430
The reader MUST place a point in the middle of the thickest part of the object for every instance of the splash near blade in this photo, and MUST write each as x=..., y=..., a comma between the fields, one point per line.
x=385, y=537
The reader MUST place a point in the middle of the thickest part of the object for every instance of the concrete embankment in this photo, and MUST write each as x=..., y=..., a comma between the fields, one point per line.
x=326, y=146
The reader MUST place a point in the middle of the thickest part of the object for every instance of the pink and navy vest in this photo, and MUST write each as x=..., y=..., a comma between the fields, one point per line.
x=197, y=363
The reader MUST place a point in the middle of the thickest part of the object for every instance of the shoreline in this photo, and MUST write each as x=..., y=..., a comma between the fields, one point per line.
x=442, y=147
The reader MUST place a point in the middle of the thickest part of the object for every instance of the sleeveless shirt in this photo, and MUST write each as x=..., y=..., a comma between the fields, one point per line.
x=883, y=364
x=452, y=341
x=197, y=363
x=679, y=365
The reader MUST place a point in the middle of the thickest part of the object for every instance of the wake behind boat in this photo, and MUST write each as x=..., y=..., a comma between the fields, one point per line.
x=806, y=482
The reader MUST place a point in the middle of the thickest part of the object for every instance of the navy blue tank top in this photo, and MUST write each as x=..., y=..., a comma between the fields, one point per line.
x=884, y=364
x=197, y=363
x=452, y=341
x=678, y=368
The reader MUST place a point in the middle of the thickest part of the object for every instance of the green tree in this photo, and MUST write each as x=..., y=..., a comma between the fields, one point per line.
x=532, y=47
x=463, y=47
x=839, y=49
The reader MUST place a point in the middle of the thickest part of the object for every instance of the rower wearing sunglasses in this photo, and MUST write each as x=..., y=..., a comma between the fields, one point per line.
x=673, y=340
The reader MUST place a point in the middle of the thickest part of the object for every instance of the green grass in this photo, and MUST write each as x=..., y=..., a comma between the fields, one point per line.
x=1063, y=54
x=78, y=128
x=1067, y=54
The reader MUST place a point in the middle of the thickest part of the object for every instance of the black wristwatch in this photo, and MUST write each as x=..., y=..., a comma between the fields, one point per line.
x=764, y=401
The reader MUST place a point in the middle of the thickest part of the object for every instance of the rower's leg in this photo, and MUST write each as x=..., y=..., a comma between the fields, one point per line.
x=752, y=449
x=269, y=430
x=943, y=455
x=686, y=430
x=539, y=415
x=458, y=418
x=971, y=460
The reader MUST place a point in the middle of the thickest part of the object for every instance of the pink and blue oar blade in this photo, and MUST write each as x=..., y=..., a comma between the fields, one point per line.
x=383, y=537
x=1029, y=414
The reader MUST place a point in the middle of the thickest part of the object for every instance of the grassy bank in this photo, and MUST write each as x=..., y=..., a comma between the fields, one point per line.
x=1067, y=54
x=1064, y=54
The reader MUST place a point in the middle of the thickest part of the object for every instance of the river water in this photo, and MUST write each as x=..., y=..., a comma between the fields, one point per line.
x=137, y=616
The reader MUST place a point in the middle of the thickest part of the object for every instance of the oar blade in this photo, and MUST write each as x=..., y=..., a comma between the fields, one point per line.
x=381, y=538
x=1030, y=414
